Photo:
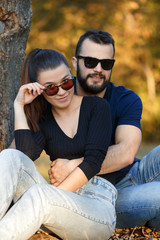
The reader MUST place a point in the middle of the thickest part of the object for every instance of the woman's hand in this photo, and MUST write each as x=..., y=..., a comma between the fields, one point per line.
x=28, y=92
x=61, y=168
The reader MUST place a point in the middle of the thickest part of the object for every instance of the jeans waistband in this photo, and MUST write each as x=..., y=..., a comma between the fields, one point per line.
x=104, y=183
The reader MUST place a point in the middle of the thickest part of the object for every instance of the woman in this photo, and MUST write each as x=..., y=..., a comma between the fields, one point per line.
x=49, y=116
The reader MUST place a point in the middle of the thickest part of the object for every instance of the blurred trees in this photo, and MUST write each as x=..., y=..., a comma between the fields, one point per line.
x=135, y=27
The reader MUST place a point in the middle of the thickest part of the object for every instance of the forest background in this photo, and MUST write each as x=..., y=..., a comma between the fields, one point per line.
x=135, y=26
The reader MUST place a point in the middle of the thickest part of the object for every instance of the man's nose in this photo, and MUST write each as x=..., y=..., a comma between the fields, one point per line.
x=98, y=68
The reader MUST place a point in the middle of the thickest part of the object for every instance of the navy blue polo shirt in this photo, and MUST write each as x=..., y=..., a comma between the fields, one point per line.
x=126, y=109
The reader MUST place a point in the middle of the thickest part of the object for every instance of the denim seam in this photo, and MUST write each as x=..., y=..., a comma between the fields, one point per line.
x=132, y=177
x=82, y=214
x=24, y=229
x=108, y=186
x=106, y=224
x=152, y=178
x=139, y=207
x=94, y=195
x=28, y=174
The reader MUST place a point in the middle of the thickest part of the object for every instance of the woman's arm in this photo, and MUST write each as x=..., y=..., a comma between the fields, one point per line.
x=119, y=155
x=26, y=94
x=74, y=181
x=61, y=168
x=26, y=140
x=98, y=139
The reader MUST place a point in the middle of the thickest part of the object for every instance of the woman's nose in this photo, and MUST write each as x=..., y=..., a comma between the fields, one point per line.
x=61, y=91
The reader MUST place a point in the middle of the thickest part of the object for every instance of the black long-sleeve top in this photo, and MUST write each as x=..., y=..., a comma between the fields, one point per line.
x=91, y=140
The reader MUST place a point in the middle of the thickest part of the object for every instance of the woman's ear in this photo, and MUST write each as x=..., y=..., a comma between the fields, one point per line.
x=74, y=63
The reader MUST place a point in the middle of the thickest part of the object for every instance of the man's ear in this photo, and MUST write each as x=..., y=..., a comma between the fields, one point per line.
x=74, y=63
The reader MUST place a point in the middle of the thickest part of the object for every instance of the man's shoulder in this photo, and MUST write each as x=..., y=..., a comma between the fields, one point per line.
x=118, y=93
x=121, y=90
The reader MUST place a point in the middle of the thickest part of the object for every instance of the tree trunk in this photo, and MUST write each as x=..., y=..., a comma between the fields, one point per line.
x=151, y=83
x=15, y=21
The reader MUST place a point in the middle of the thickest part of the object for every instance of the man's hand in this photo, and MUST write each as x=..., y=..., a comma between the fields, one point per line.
x=61, y=168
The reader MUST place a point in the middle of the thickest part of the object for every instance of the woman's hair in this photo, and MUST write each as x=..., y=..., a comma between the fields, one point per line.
x=39, y=60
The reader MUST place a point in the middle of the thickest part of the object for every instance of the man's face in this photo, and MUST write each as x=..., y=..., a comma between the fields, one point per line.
x=94, y=80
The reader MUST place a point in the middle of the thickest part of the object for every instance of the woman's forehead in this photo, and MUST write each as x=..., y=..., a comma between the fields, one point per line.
x=55, y=75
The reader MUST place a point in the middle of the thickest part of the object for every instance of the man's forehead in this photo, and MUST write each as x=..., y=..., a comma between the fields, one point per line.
x=92, y=49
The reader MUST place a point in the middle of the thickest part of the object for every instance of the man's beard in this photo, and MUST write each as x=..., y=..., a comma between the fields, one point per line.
x=92, y=89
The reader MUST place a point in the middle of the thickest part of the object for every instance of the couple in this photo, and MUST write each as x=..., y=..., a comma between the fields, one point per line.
x=57, y=118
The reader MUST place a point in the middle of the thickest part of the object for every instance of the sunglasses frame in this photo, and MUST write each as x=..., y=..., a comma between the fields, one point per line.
x=57, y=86
x=102, y=61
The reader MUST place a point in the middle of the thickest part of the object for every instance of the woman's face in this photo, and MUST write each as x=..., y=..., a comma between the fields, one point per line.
x=56, y=77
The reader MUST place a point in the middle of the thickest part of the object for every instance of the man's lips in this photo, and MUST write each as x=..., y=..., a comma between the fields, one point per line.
x=96, y=77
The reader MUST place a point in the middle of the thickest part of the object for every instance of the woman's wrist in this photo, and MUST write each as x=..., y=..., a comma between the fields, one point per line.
x=18, y=105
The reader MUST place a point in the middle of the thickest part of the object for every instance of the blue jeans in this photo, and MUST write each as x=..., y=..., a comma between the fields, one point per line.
x=138, y=201
x=89, y=213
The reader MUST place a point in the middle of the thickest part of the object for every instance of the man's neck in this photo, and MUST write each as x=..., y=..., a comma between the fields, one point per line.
x=81, y=92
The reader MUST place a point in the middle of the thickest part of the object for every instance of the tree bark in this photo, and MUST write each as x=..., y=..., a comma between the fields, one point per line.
x=15, y=21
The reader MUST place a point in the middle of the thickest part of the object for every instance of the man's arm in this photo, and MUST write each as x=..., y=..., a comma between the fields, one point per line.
x=127, y=142
x=120, y=155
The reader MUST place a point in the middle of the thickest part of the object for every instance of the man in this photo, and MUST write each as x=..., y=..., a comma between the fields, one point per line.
x=137, y=182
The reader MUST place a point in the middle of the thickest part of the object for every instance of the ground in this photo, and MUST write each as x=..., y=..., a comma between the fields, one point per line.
x=138, y=233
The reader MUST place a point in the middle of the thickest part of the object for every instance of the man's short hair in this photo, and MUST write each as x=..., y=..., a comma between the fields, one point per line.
x=97, y=37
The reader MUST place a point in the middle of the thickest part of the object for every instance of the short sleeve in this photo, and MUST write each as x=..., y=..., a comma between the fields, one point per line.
x=129, y=110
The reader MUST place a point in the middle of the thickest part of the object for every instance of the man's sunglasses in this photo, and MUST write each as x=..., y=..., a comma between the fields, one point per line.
x=53, y=89
x=90, y=62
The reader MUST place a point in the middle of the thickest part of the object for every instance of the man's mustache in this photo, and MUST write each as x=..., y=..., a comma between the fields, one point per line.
x=98, y=75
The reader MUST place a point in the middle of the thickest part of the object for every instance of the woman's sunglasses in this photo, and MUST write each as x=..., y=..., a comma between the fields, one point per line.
x=65, y=85
x=90, y=62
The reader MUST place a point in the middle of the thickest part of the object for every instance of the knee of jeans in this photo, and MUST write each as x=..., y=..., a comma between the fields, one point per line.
x=10, y=155
x=10, y=152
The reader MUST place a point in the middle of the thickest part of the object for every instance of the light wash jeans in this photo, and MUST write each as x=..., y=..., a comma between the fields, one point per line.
x=138, y=201
x=87, y=214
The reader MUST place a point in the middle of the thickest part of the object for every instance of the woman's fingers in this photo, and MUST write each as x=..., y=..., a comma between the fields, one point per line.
x=37, y=88
x=28, y=92
x=33, y=88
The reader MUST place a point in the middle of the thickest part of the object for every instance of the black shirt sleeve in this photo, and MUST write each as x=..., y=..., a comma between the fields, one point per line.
x=30, y=143
x=98, y=138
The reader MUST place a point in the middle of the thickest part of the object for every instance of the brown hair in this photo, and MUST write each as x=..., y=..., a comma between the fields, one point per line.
x=36, y=61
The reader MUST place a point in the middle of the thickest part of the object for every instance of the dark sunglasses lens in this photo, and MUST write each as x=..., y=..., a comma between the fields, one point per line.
x=90, y=62
x=50, y=91
x=67, y=85
x=107, y=64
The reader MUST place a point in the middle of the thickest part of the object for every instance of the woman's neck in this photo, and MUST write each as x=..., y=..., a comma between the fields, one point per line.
x=68, y=118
